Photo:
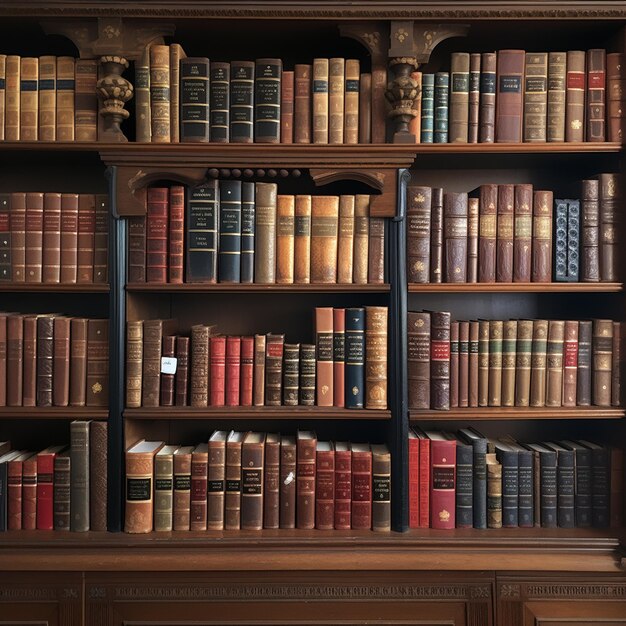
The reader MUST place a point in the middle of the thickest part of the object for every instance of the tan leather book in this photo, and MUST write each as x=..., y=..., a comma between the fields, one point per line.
x=487, y=233
x=12, y=99
x=324, y=356
x=28, y=374
x=459, y=97
x=265, y=233
x=285, y=221
x=153, y=331
x=376, y=252
x=65, y=98
x=381, y=488
x=504, y=240
x=216, y=486
x=523, y=362
x=34, y=237
x=47, y=97
x=164, y=488
x=78, y=362
x=509, y=95
x=199, y=387
x=86, y=100
x=160, y=99
x=143, y=124
x=69, y=238
x=29, y=98
x=61, y=362
x=575, y=96
x=535, y=96
x=324, y=227
x=570, y=362
x=494, y=491
x=86, y=237
x=538, y=363
x=522, y=233
x=51, y=254
x=252, y=464
x=557, y=71
x=345, y=243
x=595, y=114
x=602, y=356
x=199, y=478
x=336, y=99
x=455, y=237
x=464, y=347
x=473, y=220
x=302, y=240
x=97, y=363
x=134, y=362
x=306, y=443
x=495, y=362
x=286, y=107
x=182, y=488
x=483, y=362
x=320, y=99
x=365, y=108
x=232, y=497
x=302, y=104
x=542, y=237
x=351, y=102
x=259, y=370
x=376, y=357
x=361, y=238
x=271, y=479
x=139, y=486
x=554, y=365
x=418, y=234
x=509, y=340
x=473, y=372
x=176, y=54
x=418, y=375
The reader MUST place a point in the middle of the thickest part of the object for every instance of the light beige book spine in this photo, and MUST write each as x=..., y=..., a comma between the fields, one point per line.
x=361, y=239
x=302, y=240
x=320, y=100
x=345, y=246
x=176, y=54
x=351, y=102
x=47, y=98
x=65, y=98
x=12, y=99
x=285, y=220
x=29, y=98
x=336, y=99
x=160, y=93
x=324, y=227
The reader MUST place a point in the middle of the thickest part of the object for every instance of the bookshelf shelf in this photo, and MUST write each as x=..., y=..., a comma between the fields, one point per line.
x=53, y=288
x=254, y=288
x=519, y=413
x=516, y=288
x=584, y=147
x=53, y=413
x=256, y=413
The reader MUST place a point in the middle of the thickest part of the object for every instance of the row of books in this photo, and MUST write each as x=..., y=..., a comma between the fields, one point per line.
x=537, y=363
x=512, y=233
x=514, y=96
x=48, y=98
x=197, y=100
x=53, y=360
x=231, y=231
x=255, y=480
x=59, y=488
x=54, y=237
x=346, y=367
x=466, y=480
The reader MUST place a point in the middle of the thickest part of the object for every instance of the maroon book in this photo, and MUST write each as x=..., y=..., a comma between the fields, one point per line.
x=343, y=486
x=442, y=481
x=325, y=486
x=176, y=234
x=361, y=486
x=218, y=370
x=246, y=371
x=233, y=371
x=156, y=235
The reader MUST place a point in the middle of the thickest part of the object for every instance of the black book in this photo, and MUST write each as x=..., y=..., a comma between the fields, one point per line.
x=508, y=457
x=220, y=102
x=194, y=99
x=242, y=101
x=479, y=445
x=247, y=232
x=464, y=484
x=582, y=482
x=267, y=100
x=202, y=222
x=547, y=484
x=600, y=483
x=229, y=264
x=566, y=510
x=307, y=375
x=355, y=358
x=525, y=484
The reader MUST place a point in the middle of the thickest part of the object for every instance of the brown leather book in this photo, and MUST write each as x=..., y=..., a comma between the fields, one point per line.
x=61, y=362
x=610, y=198
x=51, y=256
x=12, y=94
x=361, y=486
x=365, y=108
x=381, y=488
x=418, y=374
x=143, y=126
x=302, y=240
x=86, y=100
x=616, y=374
x=302, y=104
x=86, y=237
x=345, y=243
x=487, y=233
x=286, y=107
x=602, y=356
x=361, y=239
x=78, y=363
x=34, y=237
x=474, y=98
x=199, y=385
x=45, y=359
x=199, y=483
x=29, y=493
x=616, y=95
x=509, y=340
x=494, y=491
x=97, y=363
x=182, y=488
x=495, y=362
x=324, y=227
x=139, y=486
x=274, y=344
x=98, y=434
x=440, y=360
x=464, y=346
x=454, y=365
x=436, y=236
x=325, y=486
x=535, y=96
x=271, y=486
x=595, y=114
x=339, y=357
x=3, y=361
x=590, y=238
x=232, y=498
x=554, y=365
x=48, y=98
x=376, y=261
x=455, y=237
x=324, y=356
x=29, y=360
x=17, y=222
x=473, y=364
x=523, y=362
x=538, y=363
x=510, y=96
x=488, y=97
x=168, y=353
x=376, y=357
x=583, y=377
x=473, y=220
x=252, y=464
x=160, y=93
x=483, y=362
x=336, y=98
x=542, y=237
x=459, y=97
x=157, y=221
x=176, y=230
x=287, y=513
x=164, y=488
x=69, y=238
x=504, y=241
x=319, y=93
x=418, y=233
x=134, y=363
x=153, y=331
x=285, y=220
x=522, y=233
x=62, y=491
x=259, y=370
x=265, y=233
x=15, y=357
x=29, y=100
x=575, y=96
x=182, y=371
x=351, y=102
x=306, y=444
x=216, y=475
x=137, y=249
x=557, y=71
x=570, y=362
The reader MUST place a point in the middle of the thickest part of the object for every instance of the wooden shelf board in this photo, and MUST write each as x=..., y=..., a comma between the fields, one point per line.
x=254, y=288
x=514, y=287
x=518, y=148
x=519, y=413
x=54, y=288
x=53, y=412
x=255, y=413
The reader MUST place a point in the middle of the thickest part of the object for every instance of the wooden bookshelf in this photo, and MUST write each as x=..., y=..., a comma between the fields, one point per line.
x=53, y=413
x=53, y=288
x=255, y=288
x=520, y=413
x=256, y=413
x=515, y=287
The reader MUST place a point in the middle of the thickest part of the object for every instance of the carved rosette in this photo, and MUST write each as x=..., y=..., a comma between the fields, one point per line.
x=114, y=91
x=402, y=92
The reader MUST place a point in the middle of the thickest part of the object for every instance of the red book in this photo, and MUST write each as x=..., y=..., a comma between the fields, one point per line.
x=442, y=481
x=305, y=479
x=424, y=481
x=233, y=370
x=339, y=334
x=86, y=240
x=14, y=491
x=29, y=493
x=176, y=231
x=343, y=486
x=361, y=486
x=156, y=235
x=414, y=480
x=247, y=370
x=34, y=237
x=325, y=486
x=218, y=370
x=45, y=487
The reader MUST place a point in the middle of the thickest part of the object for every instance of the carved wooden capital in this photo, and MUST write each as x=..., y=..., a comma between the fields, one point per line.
x=426, y=37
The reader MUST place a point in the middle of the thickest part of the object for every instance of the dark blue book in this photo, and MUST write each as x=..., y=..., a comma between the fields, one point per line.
x=479, y=446
x=229, y=263
x=508, y=458
x=242, y=101
x=202, y=222
x=355, y=358
x=267, y=94
x=547, y=484
x=566, y=510
x=582, y=482
x=247, y=232
x=442, y=91
x=220, y=102
x=428, y=108
x=464, y=484
x=526, y=485
x=600, y=484
x=194, y=99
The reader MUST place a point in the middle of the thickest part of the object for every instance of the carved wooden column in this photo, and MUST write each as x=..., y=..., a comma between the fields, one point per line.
x=411, y=44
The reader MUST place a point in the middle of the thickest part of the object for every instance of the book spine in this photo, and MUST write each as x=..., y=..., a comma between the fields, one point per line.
x=17, y=221
x=542, y=237
x=526, y=509
x=45, y=488
x=575, y=96
x=29, y=98
x=176, y=54
x=455, y=237
x=98, y=363
x=360, y=263
x=199, y=385
x=302, y=239
x=510, y=97
x=136, y=248
x=12, y=99
x=464, y=480
x=86, y=100
x=247, y=232
x=565, y=487
x=442, y=484
x=78, y=362
x=143, y=126
x=523, y=362
x=376, y=260
x=345, y=242
x=473, y=220
x=182, y=371
x=68, y=240
x=134, y=362
x=355, y=345
x=233, y=371
x=176, y=229
x=557, y=71
x=216, y=479
x=247, y=371
x=217, y=374
x=487, y=233
x=14, y=495
x=418, y=234
x=361, y=490
x=291, y=374
x=219, y=98
x=573, y=240
x=483, y=363
x=286, y=107
x=600, y=487
x=441, y=113
x=79, y=480
x=339, y=334
x=287, y=494
x=265, y=233
x=325, y=490
x=538, y=363
x=336, y=96
x=464, y=347
x=535, y=97
x=163, y=492
x=198, y=504
x=590, y=250
x=21, y=352
x=487, y=97
x=509, y=354
x=29, y=494
x=615, y=96
x=182, y=491
x=98, y=475
x=61, y=362
x=259, y=370
x=381, y=489
x=302, y=104
x=418, y=374
x=616, y=513
x=61, y=495
x=343, y=490
x=229, y=246
x=305, y=483
x=160, y=93
x=232, y=496
x=616, y=358
x=459, y=97
x=582, y=487
x=324, y=235
x=454, y=364
x=167, y=378
x=474, y=98
x=554, y=369
x=560, y=240
x=47, y=98
x=324, y=356
x=424, y=483
x=156, y=235
x=267, y=100
x=86, y=238
x=33, y=257
x=307, y=375
x=504, y=234
x=510, y=487
x=414, y=486
x=596, y=95
x=610, y=198
x=440, y=360
x=320, y=97
x=242, y=101
x=45, y=360
x=376, y=357
x=101, y=240
x=494, y=493
x=428, y=109
x=522, y=233
x=495, y=362
x=583, y=370
x=436, y=236
x=548, y=489
x=602, y=349
x=51, y=240
x=351, y=101
x=271, y=487
x=202, y=223
x=285, y=233
x=5, y=237
x=274, y=369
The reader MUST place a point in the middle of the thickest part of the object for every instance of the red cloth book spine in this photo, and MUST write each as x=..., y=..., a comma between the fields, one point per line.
x=233, y=371
x=325, y=490
x=361, y=489
x=339, y=335
x=156, y=235
x=247, y=370
x=414, y=482
x=45, y=489
x=343, y=489
x=424, y=483
x=176, y=233
x=29, y=494
x=442, y=483
x=217, y=357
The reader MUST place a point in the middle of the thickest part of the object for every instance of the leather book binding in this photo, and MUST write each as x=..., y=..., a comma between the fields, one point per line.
x=202, y=224
x=48, y=98
x=12, y=95
x=233, y=371
x=324, y=227
x=464, y=346
x=459, y=97
x=473, y=220
x=181, y=384
x=271, y=487
x=167, y=379
x=595, y=115
x=355, y=358
x=151, y=352
x=134, y=360
x=616, y=386
x=319, y=97
x=575, y=96
x=455, y=237
x=504, y=236
x=176, y=54
x=302, y=240
x=156, y=235
x=164, y=488
x=483, y=363
x=34, y=237
x=440, y=360
x=194, y=100
x=247, y=371
x=182, y=488
x=98, y=477
x=287, y=512
x=286, y=107
x=494, y=491
x=602, y=356
x=535, y=96
x=345, y=242
x=51, y=255
x=143, y=126
x=557, y=71
x=61, y=492
x=267, y=89
x=351, y=102
x=219, y=98
x=87, y=237
x=376, y=261
x=376, y=357
x=590, y=238
x=583, y=371
x=414, y=486
x=29, y=493
x=615, y=95
x=610, y=198
x=306, y=446
x=86, y=100
x=252, y=464
x=232, y=496
x=14, y=465
x=285, y=223
x=61, y=362
x=101, y=240
x=29, y=98
x=495, y=362
x=136, y=247
x=381, y=488
x=361, y=239
x=248, y=218
x=487, y=97
x=26, y=328
x=176, y=231
x=5, y=237
x=242, y=101
x=259, y=370
x=229, y=246
x=542, y=237
x=324, y=356
x=538, y=362
x=336, y=97
x=343, y=486
x=302, y=104
x=160, y=97
x=275, y=344
x=325, y=486
x=45, y=359
x=554, y=369
x=442, y=481
x=418, y=359
x=441, y=112
x=454, y=365
x=216, y=480
x=217, y=374
x=45, y=487
x=570, y=362
x=522, y=233
x=464, y=479
x=474, y=98
x=79, y=479
x=523, y=362
x=17, y=222
x=509, y=348
x=428, y=109
x=339, y=335
x=418, y=234
x=361, y=487
x=487, y=233
x=198, y=504
x=98, y=363
x=265, y=233
x=510, y=96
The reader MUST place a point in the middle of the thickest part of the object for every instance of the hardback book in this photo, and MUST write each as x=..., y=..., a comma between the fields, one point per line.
x=570, y=362
x=307, y=377
x=324, y=356
x=285, y=223
x=306, y=445
x=575, y=96
x=474, y=98
x=5, y=237
x=488, y=83
x=413, y=475
x=495, y=362
x=160, y=96
x=616, y=358
x=15, y=360
x=336, y=97
x=87, y=239
x=590, y=232
x=258, y=390
x=45, y=487
x=615, y=96
x=610, y=197
x=65, y=98
x=428, y=109
x=134, y=362
x=25, y=330
x=565, y=485
x=376, y=260
x=595, y=96
x=216, y=480
x=376, y=357
x=324, y=230
x=510, y=96
x=339, y=357
x=455, y=237
x=365, y=108
x=302, y=239
x=12, y=95
x=47, y=97
x=464, y=351
x=487, y=233
x=441, y=108
x=602, y=349
x=538, y=363
x=101, y=240
x=17, y=222
x=85, y=100
x=504, y=233
x=583, y=369
x=229, y=246
x=217, y=371
x=164, y=488
x=156, y=234
x=199, y=381
x=494, y=491
x=267, y=100
x=199, y=483
x=573, y=240
x=418, y=234
x=29, y=494
x=143, y=125
x=554, y=365
x=526, y=495
x=522, y=233
x=440, y=360
x=508, y=457
x=325, y=486
x=319, y=94
x=233, y=371
x=286, y=107
x=34, y=237
x=548, y=486
x=442, y=480
x=265, y=233
x=98, y=475
x=136, y=248
x=345, y=242
x=97, y=363
x=176, y=55
x=287, y=493
x=51, y=256
x=600, y=484
x=275, y=344
x=45, y=360
x=355, y=345
x=454, y=365
x=219, y=98
x=13, y=462
x=182, y=488
x=360, y=262
x=248, y=225
x=61, y=492
x=418, y=347
x=542, y=237
x=351, y=102
x=302, y=104
x=535, y=96
x=459, y=97
x=473, y=220
x=424, y=478
x=582, y=482
x=509, y=357
x=61, y=361
x=343, y=486
x=271, y=482
x=176, y=233
x=560, y=240
x=464, y=472
x=242, y=101
x=557, y=71
x=361, y=486
x=232, y=495
x=381, y=488
x=616, y=514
